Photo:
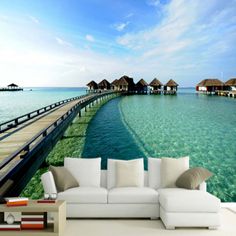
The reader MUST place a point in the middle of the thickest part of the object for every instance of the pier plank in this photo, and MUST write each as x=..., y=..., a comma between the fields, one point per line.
x=32, y=135
x=17, y=137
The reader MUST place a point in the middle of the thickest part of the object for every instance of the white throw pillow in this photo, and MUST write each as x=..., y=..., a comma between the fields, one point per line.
x=154, y=172
x=171, y=169
x=129, y=174
x=85, y=170
x=111, y=171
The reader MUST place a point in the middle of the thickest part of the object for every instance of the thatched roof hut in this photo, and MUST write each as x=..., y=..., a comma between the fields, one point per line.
x=141, y=86
x=104, y=85
x=231, y=82
x=92, y=85
x=171, y=85
x=155, y=84
x=142, y=83
x=115, y=84
x=210, y=85
x=125, y=83
x=12, y=85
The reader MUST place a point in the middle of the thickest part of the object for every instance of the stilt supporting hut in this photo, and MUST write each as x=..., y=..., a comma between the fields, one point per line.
x=104, y=85
x=170, y=87
x=155, y=86
x=141, y=87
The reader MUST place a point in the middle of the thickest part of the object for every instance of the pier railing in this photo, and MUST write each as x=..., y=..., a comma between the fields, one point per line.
x=33, y=114
x=23, y=155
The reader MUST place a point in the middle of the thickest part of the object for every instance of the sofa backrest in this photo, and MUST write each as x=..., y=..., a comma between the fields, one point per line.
x=104, y=178
x=152, y=177
x=154, y=172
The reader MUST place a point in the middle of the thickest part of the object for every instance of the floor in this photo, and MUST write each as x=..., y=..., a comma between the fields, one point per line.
x=115, y=227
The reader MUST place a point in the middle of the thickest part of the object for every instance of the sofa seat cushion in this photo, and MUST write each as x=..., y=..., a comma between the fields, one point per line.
x=84, y=195
x=132, y=195
x=185, y=200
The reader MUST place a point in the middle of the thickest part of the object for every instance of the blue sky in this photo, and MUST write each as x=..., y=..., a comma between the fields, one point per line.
x=70, y=42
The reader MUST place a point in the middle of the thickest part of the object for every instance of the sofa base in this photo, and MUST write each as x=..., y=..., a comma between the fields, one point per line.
x=75, y=210
x=190, y=219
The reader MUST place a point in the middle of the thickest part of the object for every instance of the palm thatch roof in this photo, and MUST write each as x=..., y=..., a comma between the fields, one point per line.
x=171, y=83
x=231, y=82
x=115, y=82
x=210, y=82
x=125, y=81
x=155, y=82
x=92, y=84
x=104, y=83
x=12, y=85
x=142, y=83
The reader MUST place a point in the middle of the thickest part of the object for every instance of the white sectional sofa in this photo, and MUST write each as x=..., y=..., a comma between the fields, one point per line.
x=175, y=206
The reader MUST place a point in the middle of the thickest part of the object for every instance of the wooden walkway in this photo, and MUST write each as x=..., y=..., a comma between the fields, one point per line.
x=16, y=142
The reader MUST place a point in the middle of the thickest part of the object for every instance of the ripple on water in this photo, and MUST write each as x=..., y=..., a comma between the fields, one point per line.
x=202, y=127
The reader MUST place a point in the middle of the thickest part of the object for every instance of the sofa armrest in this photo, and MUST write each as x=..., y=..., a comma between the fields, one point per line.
x=203, y=186
x=48, y=182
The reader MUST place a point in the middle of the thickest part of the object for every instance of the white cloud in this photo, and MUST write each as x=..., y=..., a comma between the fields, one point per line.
x=89, y=38
x=34, y=19
x=193, y=39
x=154, y=3
x=180, y=28
x=121, y=26
x=129, y=15
x=62, y=42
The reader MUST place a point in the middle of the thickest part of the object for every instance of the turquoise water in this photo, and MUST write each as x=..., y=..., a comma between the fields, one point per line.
x=13, y=104
x=202, y=127
x=128, y=127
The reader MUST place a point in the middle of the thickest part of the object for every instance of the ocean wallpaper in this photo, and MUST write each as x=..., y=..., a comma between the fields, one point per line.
x=121, y=79
x=127, y=127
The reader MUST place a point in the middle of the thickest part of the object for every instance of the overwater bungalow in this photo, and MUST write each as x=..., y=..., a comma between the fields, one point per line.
x=115, y=85
x=170, y=87
x=92, y=86
x=11, y=87
x=231, y=84
x=126, y=84
x=104, y=85
x=155, y=86
x=141, y=87
x=210, y=86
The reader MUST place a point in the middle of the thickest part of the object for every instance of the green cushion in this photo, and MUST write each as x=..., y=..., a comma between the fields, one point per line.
x=63, y=178
x=193, y=177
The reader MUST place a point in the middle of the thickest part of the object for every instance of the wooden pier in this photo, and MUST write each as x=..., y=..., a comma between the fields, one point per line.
x=26, y=141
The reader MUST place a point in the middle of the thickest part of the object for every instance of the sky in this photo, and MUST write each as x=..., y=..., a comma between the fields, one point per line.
x=67, y=43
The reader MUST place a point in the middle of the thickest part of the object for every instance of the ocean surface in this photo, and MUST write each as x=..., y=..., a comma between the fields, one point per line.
x=199, y=126
x=13, y=104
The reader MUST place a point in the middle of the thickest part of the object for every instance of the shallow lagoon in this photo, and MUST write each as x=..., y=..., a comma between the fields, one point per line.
x=202, y=127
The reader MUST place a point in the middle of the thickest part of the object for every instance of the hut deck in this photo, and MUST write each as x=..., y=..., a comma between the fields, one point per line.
x=226, y=93
x=169, y=92
x=10, y=89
